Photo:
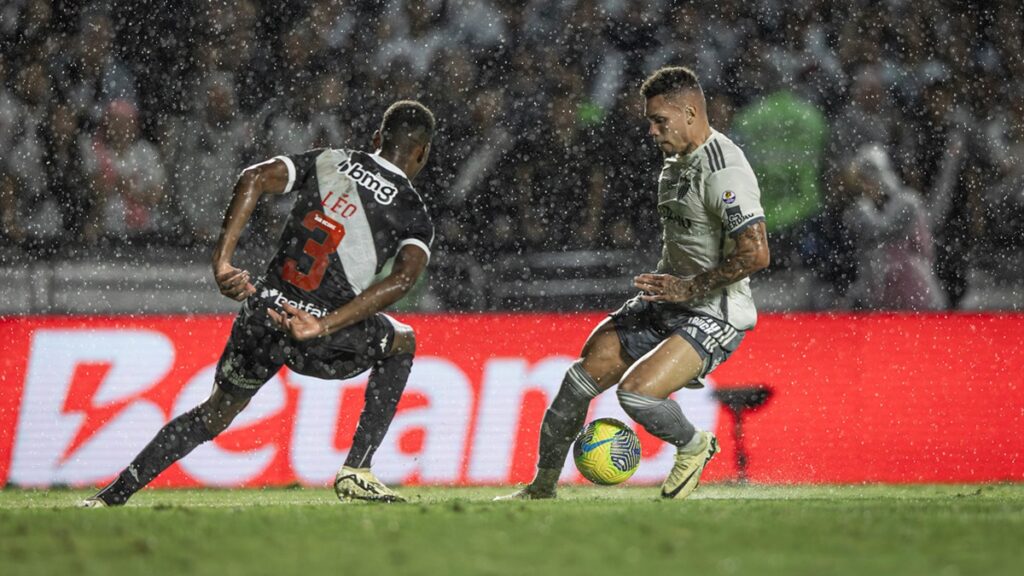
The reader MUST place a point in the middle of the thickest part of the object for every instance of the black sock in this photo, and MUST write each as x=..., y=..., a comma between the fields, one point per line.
x=564, y=418
x=387, y=382
x=172, y=443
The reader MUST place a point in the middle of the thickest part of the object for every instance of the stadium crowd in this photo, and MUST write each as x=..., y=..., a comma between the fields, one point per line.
x=887, y=135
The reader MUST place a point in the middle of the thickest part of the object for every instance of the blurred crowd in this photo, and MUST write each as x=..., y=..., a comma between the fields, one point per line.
x=887, y=135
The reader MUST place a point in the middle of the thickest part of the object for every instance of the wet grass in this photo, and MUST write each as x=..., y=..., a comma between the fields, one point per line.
x=722, y=529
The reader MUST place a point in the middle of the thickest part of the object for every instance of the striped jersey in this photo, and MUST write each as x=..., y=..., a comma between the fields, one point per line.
x=705, y=199
x=351, y=213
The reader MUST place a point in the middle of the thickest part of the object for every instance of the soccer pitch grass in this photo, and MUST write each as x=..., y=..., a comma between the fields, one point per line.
x=722, y=529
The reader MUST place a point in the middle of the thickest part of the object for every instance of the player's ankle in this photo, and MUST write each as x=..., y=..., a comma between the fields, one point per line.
x=546, y=479
x=114, y=494
x=693, y=446
x=111, y=500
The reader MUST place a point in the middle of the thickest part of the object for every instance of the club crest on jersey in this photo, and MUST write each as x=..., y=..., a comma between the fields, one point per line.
x=383, y=191
x=689, y=179
x=728, y=197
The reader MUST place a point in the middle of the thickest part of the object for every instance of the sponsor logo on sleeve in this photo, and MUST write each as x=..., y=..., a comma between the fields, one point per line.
x=734, y=217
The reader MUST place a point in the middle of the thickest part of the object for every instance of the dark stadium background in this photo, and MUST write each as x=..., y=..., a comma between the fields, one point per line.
x=869, y=424
x=541, y=179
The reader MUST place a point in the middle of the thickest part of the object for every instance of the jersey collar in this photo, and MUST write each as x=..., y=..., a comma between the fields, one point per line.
x=388, y=165
x=702, y=146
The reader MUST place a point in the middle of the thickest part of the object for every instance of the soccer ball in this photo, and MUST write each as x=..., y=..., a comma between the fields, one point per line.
x=607, y=452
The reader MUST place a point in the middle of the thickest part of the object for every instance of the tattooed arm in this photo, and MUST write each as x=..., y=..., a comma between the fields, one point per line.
x=749, y=256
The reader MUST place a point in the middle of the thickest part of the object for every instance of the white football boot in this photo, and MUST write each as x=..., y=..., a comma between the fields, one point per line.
x=528, y=492
x=361, y=484
x=543, y=487
x=92, y=502
x=685, y=475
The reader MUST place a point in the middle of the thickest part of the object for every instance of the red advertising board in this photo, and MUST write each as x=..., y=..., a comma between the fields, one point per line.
x=853, y=398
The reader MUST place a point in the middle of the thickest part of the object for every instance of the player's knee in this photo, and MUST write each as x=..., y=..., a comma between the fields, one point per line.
x=632, y=385
x=603, y=367
x=220, y=410
x=604, y=360
x=634, y=402
x=598, y=362
x=623, y=396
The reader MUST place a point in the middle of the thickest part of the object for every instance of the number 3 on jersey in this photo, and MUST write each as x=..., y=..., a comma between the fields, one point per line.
x=319, y=251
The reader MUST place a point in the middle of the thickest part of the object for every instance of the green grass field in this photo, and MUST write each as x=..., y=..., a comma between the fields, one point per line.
x=877, y=530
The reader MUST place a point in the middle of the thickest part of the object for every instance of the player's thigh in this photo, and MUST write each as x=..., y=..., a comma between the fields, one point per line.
x=603, y=356
x=254, y=353
x=664, y=370
x=351, y=350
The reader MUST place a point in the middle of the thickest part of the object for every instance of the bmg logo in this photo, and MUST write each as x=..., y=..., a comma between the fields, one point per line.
x=383, y=191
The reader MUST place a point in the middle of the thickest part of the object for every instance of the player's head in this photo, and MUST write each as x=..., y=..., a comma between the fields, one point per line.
x=675, y=108
x=405, y=132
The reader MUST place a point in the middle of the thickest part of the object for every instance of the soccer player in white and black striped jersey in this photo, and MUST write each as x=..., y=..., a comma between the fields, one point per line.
x=691, y=314
x=317, y=309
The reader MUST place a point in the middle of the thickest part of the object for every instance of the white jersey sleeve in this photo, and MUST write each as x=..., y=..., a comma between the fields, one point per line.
x=733, y=196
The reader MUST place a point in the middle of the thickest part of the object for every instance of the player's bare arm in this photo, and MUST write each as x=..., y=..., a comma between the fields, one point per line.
x=410, y=263
x=750, y=255
x=270, y=177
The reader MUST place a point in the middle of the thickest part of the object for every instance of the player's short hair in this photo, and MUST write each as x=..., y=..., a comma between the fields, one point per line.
x=670, y=80
x=407, y=121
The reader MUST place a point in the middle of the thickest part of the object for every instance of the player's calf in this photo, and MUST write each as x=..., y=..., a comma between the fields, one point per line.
x=562, y=423
x=564, y=418
x=172, y=443
x=663, y=418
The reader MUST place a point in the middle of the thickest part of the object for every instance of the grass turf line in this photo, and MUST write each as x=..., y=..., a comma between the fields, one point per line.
x=722, y=529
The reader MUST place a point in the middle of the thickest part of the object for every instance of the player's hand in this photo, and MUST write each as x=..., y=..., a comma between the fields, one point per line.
x=234, y=282
x=299, y=324
x=664, y=288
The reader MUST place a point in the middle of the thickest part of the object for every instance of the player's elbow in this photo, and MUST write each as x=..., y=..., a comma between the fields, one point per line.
x=762, y=258
x=249, y=182
x=256, y=179
x=409, y=266
x=752, y=258
x=249, y=175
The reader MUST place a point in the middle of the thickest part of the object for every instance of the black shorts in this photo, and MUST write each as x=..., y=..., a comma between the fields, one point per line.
x=641, y=326
x=256, y=350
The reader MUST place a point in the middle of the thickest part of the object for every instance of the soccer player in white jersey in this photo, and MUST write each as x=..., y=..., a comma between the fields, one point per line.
x=691, y=314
